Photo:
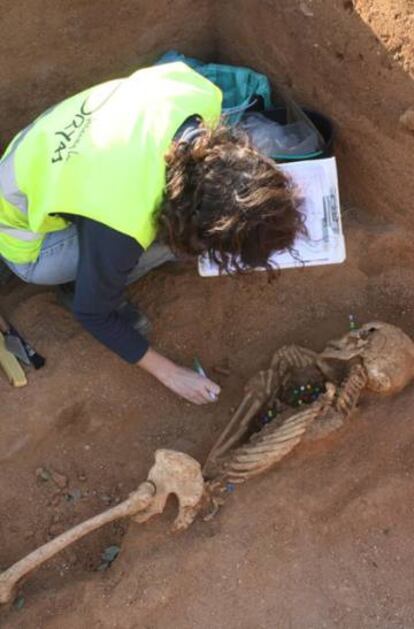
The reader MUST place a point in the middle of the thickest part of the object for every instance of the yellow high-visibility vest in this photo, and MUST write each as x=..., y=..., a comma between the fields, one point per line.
x=99, y=154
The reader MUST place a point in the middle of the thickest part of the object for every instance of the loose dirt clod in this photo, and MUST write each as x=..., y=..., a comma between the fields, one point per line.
x=59, y=479
x=43, y=474
x=407, y=119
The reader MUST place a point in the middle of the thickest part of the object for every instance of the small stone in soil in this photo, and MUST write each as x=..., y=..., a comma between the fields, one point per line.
x=19, y=602
x=73, y=495
x=108, y=556
x=43, y=474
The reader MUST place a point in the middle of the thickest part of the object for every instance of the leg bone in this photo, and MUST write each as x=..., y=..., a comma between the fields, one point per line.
x=258, y=389
x=9, y=579
x=173, y=472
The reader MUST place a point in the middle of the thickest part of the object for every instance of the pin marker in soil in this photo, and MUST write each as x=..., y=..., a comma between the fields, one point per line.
x=197, y=366
x=352, y=322
x=267, y=416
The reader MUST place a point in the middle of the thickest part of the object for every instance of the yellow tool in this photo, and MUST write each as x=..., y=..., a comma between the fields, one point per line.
x=11, y=365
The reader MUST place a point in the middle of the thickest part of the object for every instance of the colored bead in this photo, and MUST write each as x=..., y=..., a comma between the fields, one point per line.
x=352, y=322
x=230, y=487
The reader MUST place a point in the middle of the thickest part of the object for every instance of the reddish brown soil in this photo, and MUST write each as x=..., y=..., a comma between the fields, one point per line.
x=325, y=540
x=54, y=49
x=351, y=59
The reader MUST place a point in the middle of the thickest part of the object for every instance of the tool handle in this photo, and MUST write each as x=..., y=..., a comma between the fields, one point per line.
x=11, y=366
x=35, y=358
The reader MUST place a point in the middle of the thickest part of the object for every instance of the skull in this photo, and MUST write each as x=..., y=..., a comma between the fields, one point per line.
x=386, y=353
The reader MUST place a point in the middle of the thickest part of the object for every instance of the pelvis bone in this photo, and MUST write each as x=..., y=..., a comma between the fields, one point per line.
x=173, y=473
x=378, y=356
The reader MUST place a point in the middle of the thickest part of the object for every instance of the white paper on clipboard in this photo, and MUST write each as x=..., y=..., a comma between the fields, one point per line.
x=317, y=181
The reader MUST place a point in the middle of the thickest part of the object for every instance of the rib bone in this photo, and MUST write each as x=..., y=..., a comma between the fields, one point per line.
x=378, y=356
x=272, y=443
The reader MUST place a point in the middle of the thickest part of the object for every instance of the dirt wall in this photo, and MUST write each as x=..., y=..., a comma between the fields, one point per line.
x=353, y=60
x=325, y=539
x=49, y=50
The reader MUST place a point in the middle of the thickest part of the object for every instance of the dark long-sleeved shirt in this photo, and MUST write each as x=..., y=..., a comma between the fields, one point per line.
x=105, y=259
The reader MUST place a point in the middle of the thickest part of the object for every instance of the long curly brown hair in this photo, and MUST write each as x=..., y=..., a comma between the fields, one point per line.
x=225, y=199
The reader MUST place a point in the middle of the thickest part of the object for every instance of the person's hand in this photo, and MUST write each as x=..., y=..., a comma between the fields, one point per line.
x=191, y=385
x=182, y=381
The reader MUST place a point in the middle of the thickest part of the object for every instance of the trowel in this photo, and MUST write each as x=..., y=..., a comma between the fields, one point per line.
x=19, y=347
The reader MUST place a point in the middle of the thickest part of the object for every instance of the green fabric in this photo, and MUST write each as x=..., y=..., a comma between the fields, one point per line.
x=240, y=85
x=100, y=154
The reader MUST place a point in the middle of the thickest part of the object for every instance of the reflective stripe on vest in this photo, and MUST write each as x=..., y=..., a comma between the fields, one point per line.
x=9, y=188
x=20, y=234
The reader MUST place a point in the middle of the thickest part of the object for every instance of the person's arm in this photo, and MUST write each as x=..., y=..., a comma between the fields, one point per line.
x=182, y=381
x=106, y=258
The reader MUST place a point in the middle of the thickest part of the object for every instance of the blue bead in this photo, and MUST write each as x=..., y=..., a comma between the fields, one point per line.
x=230, y=487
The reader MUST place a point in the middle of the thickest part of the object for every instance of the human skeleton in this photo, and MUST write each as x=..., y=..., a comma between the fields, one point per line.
x=378, y=357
